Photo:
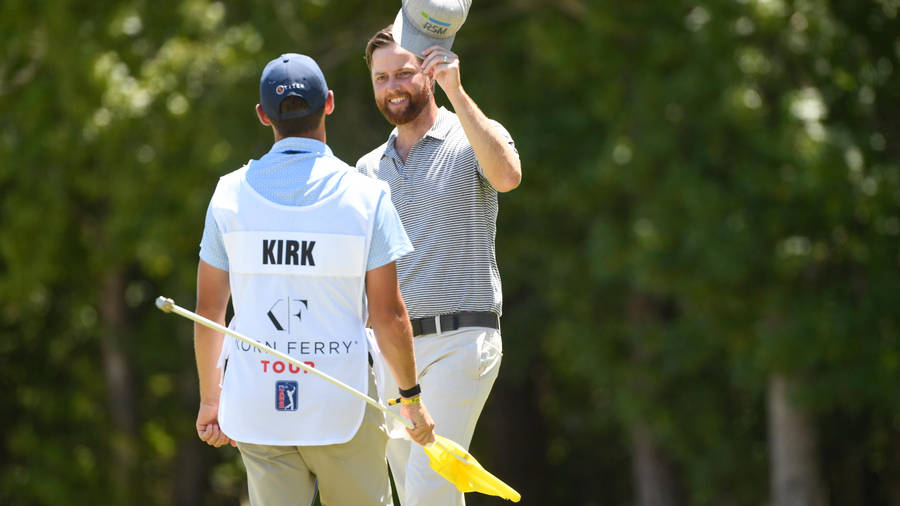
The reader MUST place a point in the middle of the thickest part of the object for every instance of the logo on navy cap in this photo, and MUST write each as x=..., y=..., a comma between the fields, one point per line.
x=292, y=86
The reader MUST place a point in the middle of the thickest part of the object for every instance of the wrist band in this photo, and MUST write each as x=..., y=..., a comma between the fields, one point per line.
x=412, y=392
x=406, y=401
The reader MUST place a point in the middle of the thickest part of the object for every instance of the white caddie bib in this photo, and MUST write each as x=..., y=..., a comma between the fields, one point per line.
x=297, y=278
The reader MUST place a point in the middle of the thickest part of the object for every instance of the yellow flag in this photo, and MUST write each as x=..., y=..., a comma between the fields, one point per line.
x=461, y=469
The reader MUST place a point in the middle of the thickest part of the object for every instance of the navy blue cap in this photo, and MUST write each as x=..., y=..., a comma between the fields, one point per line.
x=292, y=75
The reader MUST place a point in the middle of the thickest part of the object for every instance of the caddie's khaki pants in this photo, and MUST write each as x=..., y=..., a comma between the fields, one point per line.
x=348, y=474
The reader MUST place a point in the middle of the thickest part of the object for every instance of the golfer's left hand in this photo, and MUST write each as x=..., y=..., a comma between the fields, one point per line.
x=423, y=431
x=443, y=65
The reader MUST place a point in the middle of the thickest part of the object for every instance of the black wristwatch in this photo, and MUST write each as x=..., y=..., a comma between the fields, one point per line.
x=412, y=392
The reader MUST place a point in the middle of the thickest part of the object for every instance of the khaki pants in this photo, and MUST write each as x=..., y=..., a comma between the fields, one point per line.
x=348, y=474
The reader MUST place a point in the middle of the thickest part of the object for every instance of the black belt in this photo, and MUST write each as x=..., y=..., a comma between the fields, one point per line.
x=448, y=322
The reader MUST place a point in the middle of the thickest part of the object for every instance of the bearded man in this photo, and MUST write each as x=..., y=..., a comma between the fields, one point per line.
x=444, y=171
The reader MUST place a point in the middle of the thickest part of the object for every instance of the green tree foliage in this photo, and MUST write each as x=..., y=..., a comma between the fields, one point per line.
x=710, y=197
x=715, y=195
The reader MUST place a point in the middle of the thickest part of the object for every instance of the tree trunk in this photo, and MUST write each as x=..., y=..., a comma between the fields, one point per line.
x=120, y=391
x=654, y=481
x=514, y=446
x=795, y=478
x=192, y=464
x=191, y=470
x=893, y=477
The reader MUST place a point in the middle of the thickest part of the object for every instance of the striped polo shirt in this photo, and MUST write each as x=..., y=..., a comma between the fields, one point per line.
x=449, y=211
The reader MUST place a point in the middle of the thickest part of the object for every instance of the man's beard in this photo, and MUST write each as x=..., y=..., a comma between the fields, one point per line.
x=416, y=103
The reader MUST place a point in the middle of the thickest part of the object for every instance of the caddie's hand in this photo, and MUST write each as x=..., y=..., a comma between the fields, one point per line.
x=208, y=429
x=423, y=431
x=443, y=65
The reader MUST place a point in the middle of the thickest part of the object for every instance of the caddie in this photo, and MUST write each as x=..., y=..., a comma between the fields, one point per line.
x=306, y=248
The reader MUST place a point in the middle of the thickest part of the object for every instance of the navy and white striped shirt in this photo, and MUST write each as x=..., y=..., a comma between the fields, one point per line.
x=449, y=211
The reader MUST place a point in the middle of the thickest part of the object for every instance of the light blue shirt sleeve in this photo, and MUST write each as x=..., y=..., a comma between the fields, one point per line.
x=389, y=239
x=212, y=248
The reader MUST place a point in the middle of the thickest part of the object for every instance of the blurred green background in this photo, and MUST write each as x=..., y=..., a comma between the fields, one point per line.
x=700, y=267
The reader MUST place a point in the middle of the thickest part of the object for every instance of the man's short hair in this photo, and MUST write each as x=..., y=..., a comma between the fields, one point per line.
x=382, y=38
x=296, y=127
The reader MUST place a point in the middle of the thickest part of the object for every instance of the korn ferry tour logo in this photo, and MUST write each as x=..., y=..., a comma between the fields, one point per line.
x=287, y=317
x=284, y=311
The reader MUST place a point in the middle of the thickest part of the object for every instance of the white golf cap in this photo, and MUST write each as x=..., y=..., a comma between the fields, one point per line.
x=421, y=24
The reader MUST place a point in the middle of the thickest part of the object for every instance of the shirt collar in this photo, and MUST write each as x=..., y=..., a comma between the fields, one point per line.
x=305, y=144
x=442, y=125
x=439, y=131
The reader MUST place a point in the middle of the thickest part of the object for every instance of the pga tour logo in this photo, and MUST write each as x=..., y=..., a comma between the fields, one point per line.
x=284, y=87
x=286, y=395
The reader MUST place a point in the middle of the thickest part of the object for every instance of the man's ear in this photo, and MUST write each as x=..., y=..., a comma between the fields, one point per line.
x=263, y=118
x=329, y=103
